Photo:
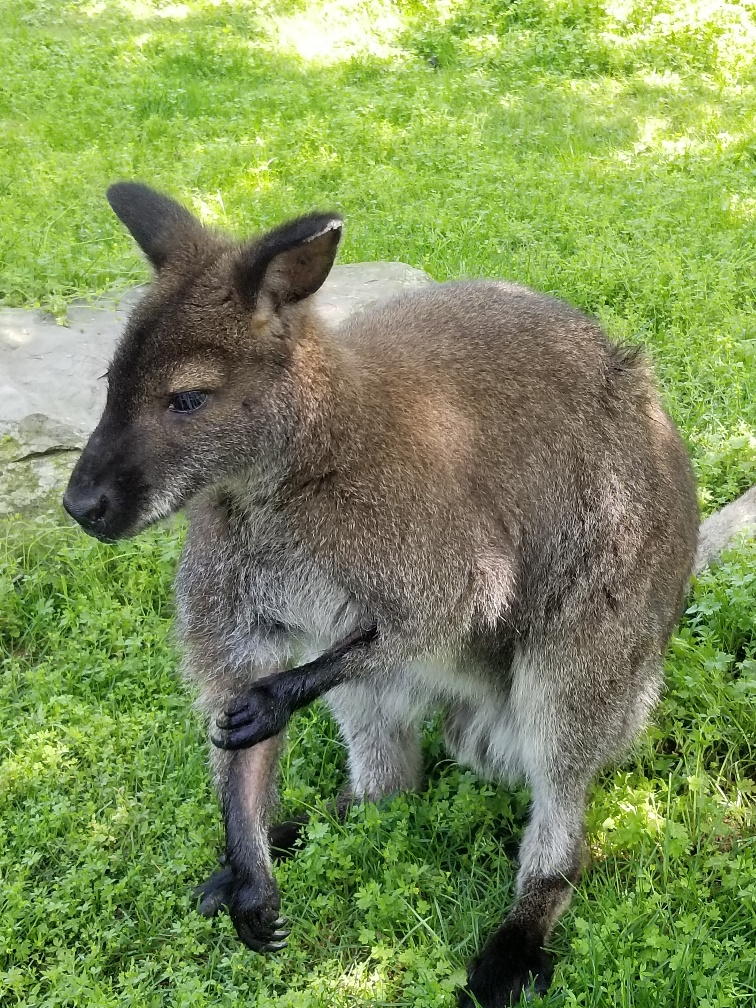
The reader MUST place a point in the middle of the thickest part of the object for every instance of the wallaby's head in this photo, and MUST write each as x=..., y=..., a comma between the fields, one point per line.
x=201, y=385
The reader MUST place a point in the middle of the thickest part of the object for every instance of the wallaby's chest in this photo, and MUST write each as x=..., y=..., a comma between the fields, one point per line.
x=247, y=590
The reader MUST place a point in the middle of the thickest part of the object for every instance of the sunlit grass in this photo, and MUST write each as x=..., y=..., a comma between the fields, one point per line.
x=333, y=31
x=109, y=820
x=604, y=152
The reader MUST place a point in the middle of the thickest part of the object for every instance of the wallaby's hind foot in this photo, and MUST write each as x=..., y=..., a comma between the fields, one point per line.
x=215, y=892
x=514, y=960
x=283, y=837
x=255, y=910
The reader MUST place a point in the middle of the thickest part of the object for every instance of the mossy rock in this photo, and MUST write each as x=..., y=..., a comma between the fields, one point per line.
x=37, y=455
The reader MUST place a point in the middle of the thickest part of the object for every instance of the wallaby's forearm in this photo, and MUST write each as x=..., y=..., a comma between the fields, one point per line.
x=246, y=884
x=266, y=707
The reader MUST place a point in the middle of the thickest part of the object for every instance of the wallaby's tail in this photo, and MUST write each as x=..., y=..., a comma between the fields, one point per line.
x=720, y=528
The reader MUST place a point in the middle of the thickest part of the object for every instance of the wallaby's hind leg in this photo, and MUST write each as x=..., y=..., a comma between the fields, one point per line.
x=567, y=714
x=379, y=722
x=514, y=957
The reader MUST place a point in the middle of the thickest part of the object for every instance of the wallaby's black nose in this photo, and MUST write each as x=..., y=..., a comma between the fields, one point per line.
x=87, y=511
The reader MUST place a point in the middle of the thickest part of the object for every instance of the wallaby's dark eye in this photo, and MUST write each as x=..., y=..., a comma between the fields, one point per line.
x=187, y=402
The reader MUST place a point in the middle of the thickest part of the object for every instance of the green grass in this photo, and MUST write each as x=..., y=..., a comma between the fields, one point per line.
x=603, y=152
x=109, y=821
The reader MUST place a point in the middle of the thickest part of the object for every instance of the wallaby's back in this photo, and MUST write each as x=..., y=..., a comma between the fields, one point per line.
x=512, y=414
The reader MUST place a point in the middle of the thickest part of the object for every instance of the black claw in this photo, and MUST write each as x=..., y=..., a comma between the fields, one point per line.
x=254, y=944
x=273, y=946
x=263, y=943
x=265, y=946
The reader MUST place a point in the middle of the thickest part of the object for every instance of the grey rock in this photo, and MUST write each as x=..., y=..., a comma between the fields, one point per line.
x=353, y=287
x=36, y=456
x=52, y=386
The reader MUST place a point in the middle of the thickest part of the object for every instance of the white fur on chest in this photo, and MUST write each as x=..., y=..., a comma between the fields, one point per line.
x=263, y=600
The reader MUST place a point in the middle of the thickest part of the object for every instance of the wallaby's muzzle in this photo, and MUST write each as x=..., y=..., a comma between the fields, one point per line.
x=89, y=510
x=106, y=494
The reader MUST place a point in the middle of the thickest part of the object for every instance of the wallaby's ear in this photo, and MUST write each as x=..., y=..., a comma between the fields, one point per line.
x=159, y=224
x=291, y=262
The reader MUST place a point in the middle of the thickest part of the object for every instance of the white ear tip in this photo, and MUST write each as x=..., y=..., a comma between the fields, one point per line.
x=332, y=225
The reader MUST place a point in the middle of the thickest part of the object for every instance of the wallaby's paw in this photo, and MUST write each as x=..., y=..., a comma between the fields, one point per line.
x=254, y=909
x=215, y=892
x=512, y=962
x=255, y=917
x=258, y=715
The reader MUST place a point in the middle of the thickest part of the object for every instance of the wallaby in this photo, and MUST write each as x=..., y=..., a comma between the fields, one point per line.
x=466, y=498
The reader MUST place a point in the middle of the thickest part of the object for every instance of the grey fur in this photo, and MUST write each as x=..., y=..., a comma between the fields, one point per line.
x=474, y=468
x=719, y=530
